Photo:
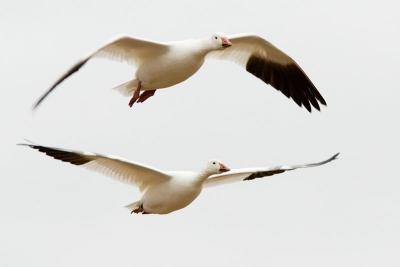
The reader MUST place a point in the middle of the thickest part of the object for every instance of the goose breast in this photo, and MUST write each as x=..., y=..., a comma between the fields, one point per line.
x=169, y=69
x=170, y=196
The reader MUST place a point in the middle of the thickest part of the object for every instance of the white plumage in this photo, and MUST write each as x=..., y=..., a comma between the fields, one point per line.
x=164, y=191
x=162, y=65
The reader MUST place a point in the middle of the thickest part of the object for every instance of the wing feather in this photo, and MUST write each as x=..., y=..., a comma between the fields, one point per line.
x=274, y=67
x=125, y=171
x=126, y=49
x=255, y=173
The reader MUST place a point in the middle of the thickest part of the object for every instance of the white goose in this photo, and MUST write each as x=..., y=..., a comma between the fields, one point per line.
x=161, y=65
x=164, y=192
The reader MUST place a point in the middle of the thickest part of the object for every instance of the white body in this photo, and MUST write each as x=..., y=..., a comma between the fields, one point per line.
x=164, y=192
x=181, y=61
x=161, y=65
x=172, y=195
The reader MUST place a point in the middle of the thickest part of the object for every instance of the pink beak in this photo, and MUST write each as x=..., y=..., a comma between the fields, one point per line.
x=223, y=168
x=226, y=42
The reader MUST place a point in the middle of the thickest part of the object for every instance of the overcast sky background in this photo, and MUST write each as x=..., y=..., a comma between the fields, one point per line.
x=342, y=214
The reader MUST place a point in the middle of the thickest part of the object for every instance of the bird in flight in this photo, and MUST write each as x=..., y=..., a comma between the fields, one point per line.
x=165, y=191
x=162, y=65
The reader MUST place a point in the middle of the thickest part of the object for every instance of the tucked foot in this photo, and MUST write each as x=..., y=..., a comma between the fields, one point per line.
x=145, y=95
x=136, y=95
x=138, y=210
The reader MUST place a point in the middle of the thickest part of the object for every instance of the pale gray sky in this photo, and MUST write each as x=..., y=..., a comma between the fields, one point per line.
x=342, y=214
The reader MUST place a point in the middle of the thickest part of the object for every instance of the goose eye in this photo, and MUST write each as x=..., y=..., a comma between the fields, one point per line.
x=215, y=37
x=214, y=162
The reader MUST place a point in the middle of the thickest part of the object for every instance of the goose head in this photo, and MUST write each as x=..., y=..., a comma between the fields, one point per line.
x=220, y=42
x=215, y=167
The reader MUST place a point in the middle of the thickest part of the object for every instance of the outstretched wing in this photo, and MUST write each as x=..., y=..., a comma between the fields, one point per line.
x=274, y=67
x=126, y=171
x=254, y=173
x=125, y=49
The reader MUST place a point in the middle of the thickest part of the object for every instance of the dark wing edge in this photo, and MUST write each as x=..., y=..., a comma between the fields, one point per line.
x=119, y=49
x=334, y=157
x=290, y=79
x=256, y=175
x=278, y=170
x=71, y=71
x=72, y=157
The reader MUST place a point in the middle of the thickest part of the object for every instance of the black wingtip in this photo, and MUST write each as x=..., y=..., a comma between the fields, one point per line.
x=321, y=99
x=23, y=144
x=71, y=71
x=72, y=157
x=335, y=156
x=33, y=146
x=290, y=79
x=40, y=100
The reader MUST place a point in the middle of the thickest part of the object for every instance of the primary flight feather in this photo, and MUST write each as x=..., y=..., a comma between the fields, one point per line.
x=164, y=191
x=162, y=65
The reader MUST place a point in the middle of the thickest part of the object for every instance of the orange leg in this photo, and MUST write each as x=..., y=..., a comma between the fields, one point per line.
x=136, y=95
x=145, y=95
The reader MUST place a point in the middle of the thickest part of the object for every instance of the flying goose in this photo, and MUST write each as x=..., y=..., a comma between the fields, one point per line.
x=161, y=65
x=164, y=192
